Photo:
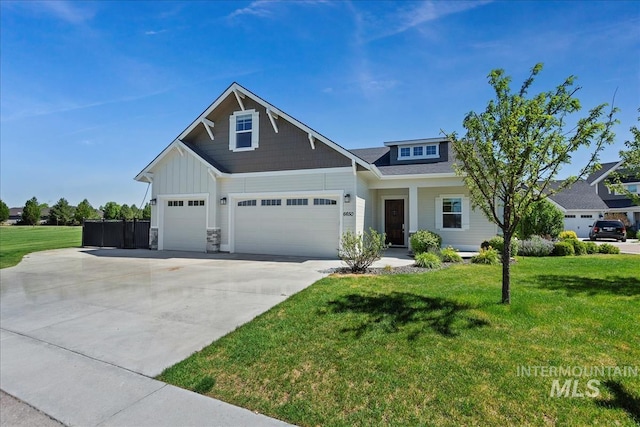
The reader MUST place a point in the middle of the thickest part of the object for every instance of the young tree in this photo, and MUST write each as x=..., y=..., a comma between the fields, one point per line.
x=111, y=210
x=84, y=211
x=61, y=213
x=541, y=219
x=630, y=167
x=31, y=212
x=4, y=211
x=513, y=150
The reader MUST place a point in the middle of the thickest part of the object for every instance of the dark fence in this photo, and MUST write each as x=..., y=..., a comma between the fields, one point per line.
x=116, y=234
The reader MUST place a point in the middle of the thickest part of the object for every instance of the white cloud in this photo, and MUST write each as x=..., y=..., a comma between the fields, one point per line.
x=260, y=8
x=67, y=11
x=153, y=32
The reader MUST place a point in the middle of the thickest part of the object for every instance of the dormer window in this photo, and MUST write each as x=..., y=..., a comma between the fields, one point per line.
x=422, y=151
x=243, y=130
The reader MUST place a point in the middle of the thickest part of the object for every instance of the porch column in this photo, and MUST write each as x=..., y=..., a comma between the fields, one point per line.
x=413, y=209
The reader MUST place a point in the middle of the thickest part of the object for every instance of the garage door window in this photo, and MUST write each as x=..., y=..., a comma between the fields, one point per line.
x=175, y=203
x=247, y=203
x=297, y=202
x=271, y=202
x=196, y=203
x=318, y=202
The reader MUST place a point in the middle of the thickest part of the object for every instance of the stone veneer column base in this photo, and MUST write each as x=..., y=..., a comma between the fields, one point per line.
x=153, y=238
x=213, y=240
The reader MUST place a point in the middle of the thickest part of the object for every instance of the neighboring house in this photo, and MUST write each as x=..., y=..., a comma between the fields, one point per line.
x=580, y=205
x=15, y=216
x=246, y=177
x=617, y=203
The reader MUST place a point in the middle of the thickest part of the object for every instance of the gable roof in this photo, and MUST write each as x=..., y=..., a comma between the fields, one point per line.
x=579, y=196
x=603, y=172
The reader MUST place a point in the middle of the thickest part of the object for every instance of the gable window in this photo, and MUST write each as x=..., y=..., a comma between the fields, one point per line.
x=243, y=130
x=422, y=151
x=452, y=213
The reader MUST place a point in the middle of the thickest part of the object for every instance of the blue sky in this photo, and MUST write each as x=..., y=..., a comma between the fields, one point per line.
x=91, y=92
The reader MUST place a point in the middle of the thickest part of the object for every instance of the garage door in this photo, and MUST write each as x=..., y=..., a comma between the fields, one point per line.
x=304, y=226
x=580, y=223
x=185, y=225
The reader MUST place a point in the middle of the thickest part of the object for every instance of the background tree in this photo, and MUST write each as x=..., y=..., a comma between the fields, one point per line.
x=4, y=211
x=111, y=210
x=126, y=212
x=146, y=212
x=542, y=218
x=513, y=150
x=84, y=210
x=61, y=213
x=31, y=212
x=630, y=167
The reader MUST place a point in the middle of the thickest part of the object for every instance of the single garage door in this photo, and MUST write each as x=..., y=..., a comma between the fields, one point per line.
x=185, y=225
x=304, y=226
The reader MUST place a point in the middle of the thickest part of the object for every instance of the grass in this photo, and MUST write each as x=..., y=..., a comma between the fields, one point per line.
x=18, y=241
x=436, y=348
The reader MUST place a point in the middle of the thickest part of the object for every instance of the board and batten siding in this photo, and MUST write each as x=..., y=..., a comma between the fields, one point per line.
x=294, y=183
x=480, y=228
x=182, y=174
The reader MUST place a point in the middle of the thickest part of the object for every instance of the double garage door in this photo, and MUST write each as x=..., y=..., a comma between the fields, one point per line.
x=304, y=226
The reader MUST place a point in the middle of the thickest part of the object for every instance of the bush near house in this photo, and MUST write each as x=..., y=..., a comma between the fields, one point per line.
x=497, y=243
x=537, y=246
x=638, y=235
x=568, y=234
x=428, y=260
x=579, y=247
x=592, y=248
x=449, y=254
x=425, y=241
x=563, y=248
x=486, y=256
x=607, y=248
x=359, y=251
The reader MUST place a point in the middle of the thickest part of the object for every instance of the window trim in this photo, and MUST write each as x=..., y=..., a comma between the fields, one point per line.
x=465, y=209
x=255, y=130
x=411, y=148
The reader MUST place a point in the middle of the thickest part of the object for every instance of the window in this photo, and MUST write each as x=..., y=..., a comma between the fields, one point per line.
x=175, y=203
x=271, y=202
x=297, y=202
x=243, y=130
x=247, y=203
x=318, y=202
x=632, y=188
x=569, y=216
x=196, y=203
x=586, y=216
x=430, y=151
x=452, y=213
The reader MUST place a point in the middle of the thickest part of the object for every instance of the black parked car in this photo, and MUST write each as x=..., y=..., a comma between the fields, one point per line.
x=608, y=229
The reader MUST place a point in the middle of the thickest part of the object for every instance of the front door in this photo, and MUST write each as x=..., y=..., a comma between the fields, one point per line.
x=394, y=221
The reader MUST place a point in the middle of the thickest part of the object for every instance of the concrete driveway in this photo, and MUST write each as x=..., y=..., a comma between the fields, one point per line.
x=82, y=330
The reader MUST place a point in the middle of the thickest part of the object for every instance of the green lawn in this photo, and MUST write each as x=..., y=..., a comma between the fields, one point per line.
x=17, y=241
x=437, y=348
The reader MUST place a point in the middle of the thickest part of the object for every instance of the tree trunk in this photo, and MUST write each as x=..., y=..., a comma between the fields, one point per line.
x=506, y=269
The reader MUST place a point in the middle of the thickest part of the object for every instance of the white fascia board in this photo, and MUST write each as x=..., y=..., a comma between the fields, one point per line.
x=607, y=173
x=235, y=88
x=346, y=169
x=181, y=147
x=416, y=141
x=419, y=176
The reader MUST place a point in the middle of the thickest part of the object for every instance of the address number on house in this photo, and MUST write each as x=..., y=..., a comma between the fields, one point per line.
x=347, y=214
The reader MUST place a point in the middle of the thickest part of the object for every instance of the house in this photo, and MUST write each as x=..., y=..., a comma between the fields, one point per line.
x=246, y=177
x=581, y=206
x=15, y=216
x=617, y=203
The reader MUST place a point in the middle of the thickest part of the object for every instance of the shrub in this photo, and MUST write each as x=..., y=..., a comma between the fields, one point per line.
x=449, y=254
x=579, y=247
x=592, y=247
x=359, y=251
x=425, y=241
x=607, y=248
x=497, y=243
x=638, y=235
x=486, y=256
x=535, y=246
x=541, y=219
x=428, y=260
x=563, y=248
x=568, y=234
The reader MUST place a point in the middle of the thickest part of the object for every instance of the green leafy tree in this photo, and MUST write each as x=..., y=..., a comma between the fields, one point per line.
x=84, y=210
x=61, y=213
x=31, y=212
x=137, y=212
x=4, y=211
x=513, y=150
x=630, y=167
x=541, y=219
x=146, y=212
x=126, y=212
x=111, y=210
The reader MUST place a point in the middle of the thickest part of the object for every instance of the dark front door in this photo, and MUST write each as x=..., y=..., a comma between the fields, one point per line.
x=394, y=221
